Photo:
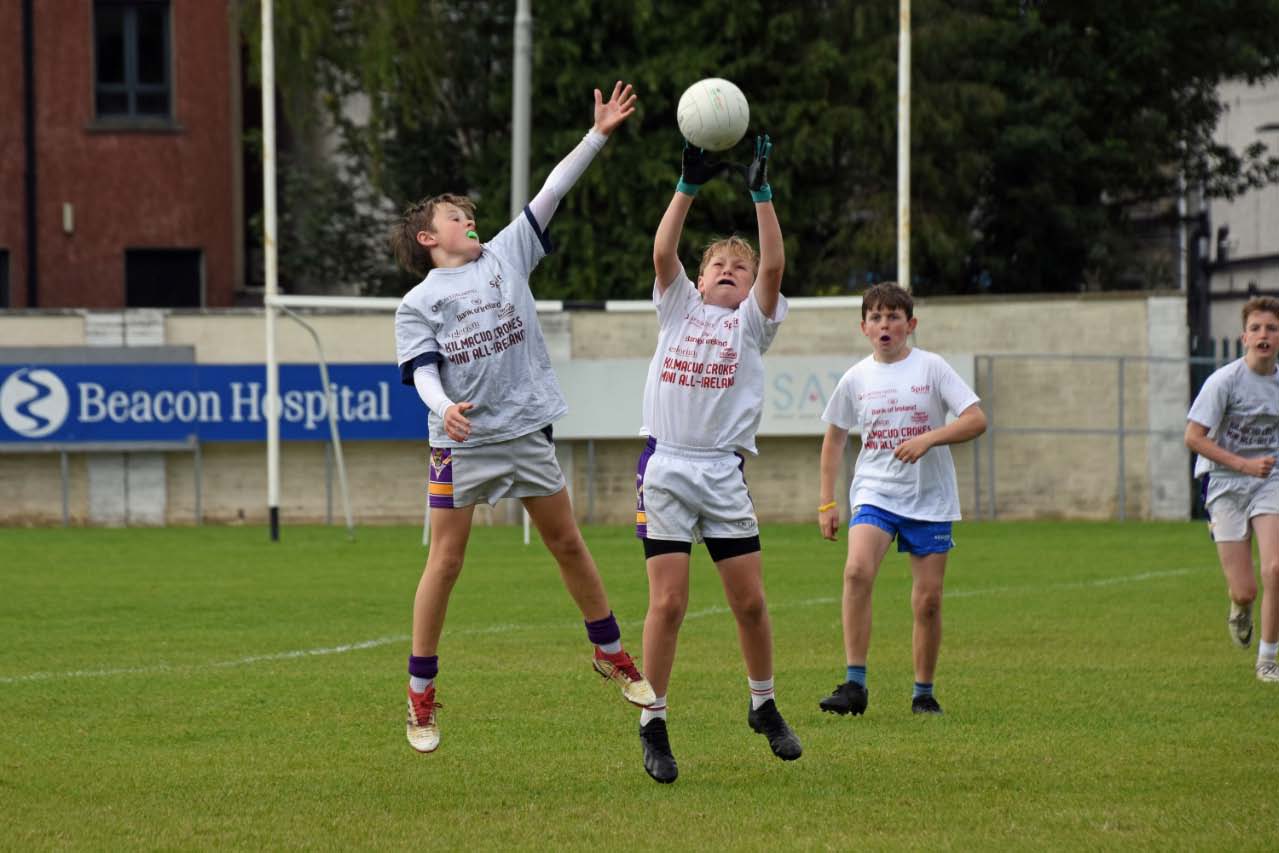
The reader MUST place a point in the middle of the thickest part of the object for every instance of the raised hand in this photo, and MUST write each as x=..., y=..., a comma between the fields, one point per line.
x=757, y=171
x=696, y=170
x=610, y=114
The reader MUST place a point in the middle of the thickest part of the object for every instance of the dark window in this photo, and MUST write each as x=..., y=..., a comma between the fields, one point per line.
x=132, y=78
x=4, y=278
x=163, y=278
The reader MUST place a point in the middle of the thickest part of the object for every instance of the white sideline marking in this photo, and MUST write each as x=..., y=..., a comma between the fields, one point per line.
x=1144, y=576
x=223, y=664
x=715, y=610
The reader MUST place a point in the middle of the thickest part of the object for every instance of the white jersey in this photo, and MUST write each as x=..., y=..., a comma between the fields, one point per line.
x=1240, y=408
x=705, y=387
x=893, y=403
x=479, y=322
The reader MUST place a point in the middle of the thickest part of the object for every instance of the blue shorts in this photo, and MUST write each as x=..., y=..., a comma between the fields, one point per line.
x=916, y=537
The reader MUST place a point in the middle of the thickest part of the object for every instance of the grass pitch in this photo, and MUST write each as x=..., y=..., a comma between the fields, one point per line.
x=204, y=688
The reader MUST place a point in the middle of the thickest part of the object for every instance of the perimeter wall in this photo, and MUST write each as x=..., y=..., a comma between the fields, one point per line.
x=1056, y=458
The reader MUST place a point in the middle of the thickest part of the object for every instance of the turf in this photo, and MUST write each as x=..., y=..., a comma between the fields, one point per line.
x=203, y=688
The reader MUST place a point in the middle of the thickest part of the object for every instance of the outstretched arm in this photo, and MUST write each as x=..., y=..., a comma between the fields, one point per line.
x=772, y=258
x=695, y=170
x=772, y=251
x=609, y=115
x=666, y=241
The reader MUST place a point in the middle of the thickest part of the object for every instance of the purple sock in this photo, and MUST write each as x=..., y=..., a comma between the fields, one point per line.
x=601, y=632
x=427, y=667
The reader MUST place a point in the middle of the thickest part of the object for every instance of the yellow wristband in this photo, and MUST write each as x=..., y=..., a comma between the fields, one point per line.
x=825, y=507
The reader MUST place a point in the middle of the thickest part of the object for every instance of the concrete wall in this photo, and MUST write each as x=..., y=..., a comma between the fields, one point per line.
x=1036, y=474
x=45, y=329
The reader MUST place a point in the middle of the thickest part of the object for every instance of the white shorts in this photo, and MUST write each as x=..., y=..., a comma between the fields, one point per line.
x=1230, y=511
x=687, y=495
x=523, y=467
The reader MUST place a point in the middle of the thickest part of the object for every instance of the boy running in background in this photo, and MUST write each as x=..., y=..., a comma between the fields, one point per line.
x=1234, y=427
x=903, y=485
x=468, y=338
x=702, y=404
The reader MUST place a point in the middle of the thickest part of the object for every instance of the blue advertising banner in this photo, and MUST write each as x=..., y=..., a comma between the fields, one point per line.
x=91, y=403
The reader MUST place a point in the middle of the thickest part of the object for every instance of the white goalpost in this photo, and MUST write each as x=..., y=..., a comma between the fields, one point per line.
x=903, y=146
x=272, y=402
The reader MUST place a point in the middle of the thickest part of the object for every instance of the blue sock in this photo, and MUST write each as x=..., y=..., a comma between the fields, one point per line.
x=922, y=689
x=857, y=674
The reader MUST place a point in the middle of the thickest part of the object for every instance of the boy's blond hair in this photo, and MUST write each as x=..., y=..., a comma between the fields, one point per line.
x=420, y=216
x=733, y=246
x=1259, y=303
x=890, y=295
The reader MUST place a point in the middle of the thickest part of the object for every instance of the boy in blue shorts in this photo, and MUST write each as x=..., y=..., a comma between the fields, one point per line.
x=468, y=338
x=1233, y=426
x=903, y=485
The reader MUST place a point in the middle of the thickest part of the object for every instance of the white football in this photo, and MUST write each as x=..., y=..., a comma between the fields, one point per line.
x=713, y=114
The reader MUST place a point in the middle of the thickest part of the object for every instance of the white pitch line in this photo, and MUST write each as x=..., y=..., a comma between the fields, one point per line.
x=1052, y=587
x=715, y=610
x=164, y=667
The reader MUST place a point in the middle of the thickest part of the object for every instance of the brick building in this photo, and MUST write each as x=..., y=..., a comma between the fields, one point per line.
x=120, y=156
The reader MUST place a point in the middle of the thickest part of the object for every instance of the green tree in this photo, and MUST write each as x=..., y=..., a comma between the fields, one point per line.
x=1105, y=106
x=1042, y=132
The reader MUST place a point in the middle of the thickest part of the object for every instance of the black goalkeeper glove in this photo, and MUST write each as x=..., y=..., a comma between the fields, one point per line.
x=696, y=170
x=757, y=171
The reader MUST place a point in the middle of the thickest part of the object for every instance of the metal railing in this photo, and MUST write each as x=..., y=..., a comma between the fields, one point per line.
x=1008, y=417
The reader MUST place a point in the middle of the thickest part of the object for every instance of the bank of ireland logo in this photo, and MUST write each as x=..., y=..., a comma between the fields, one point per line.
x=33, y=402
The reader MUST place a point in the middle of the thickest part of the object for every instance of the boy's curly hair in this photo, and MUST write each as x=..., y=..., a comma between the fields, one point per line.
x=890, y=295
x=420, y=216
x=733, y=246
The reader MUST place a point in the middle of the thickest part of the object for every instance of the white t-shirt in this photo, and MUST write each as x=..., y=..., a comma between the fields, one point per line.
x=1240, y=408
x=479, y=322
x=705, y=385
x=893, y=403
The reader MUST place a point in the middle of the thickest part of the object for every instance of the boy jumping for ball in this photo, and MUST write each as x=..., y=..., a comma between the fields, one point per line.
x=1234, y=427
x=903, y=485
x=469, y=333
x=702, y=404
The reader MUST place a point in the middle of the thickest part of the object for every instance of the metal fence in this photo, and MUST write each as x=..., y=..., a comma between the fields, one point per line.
x=1085, y=436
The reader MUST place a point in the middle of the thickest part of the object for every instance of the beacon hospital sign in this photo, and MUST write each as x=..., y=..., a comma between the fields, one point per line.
x=94, y=403
x=59, y=404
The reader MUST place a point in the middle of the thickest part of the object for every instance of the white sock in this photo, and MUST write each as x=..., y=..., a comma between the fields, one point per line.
x=611, y=648
x=1236, y=609
x=420, y=685
x=761, y=692
x=1266, y=652
x=656, y=711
